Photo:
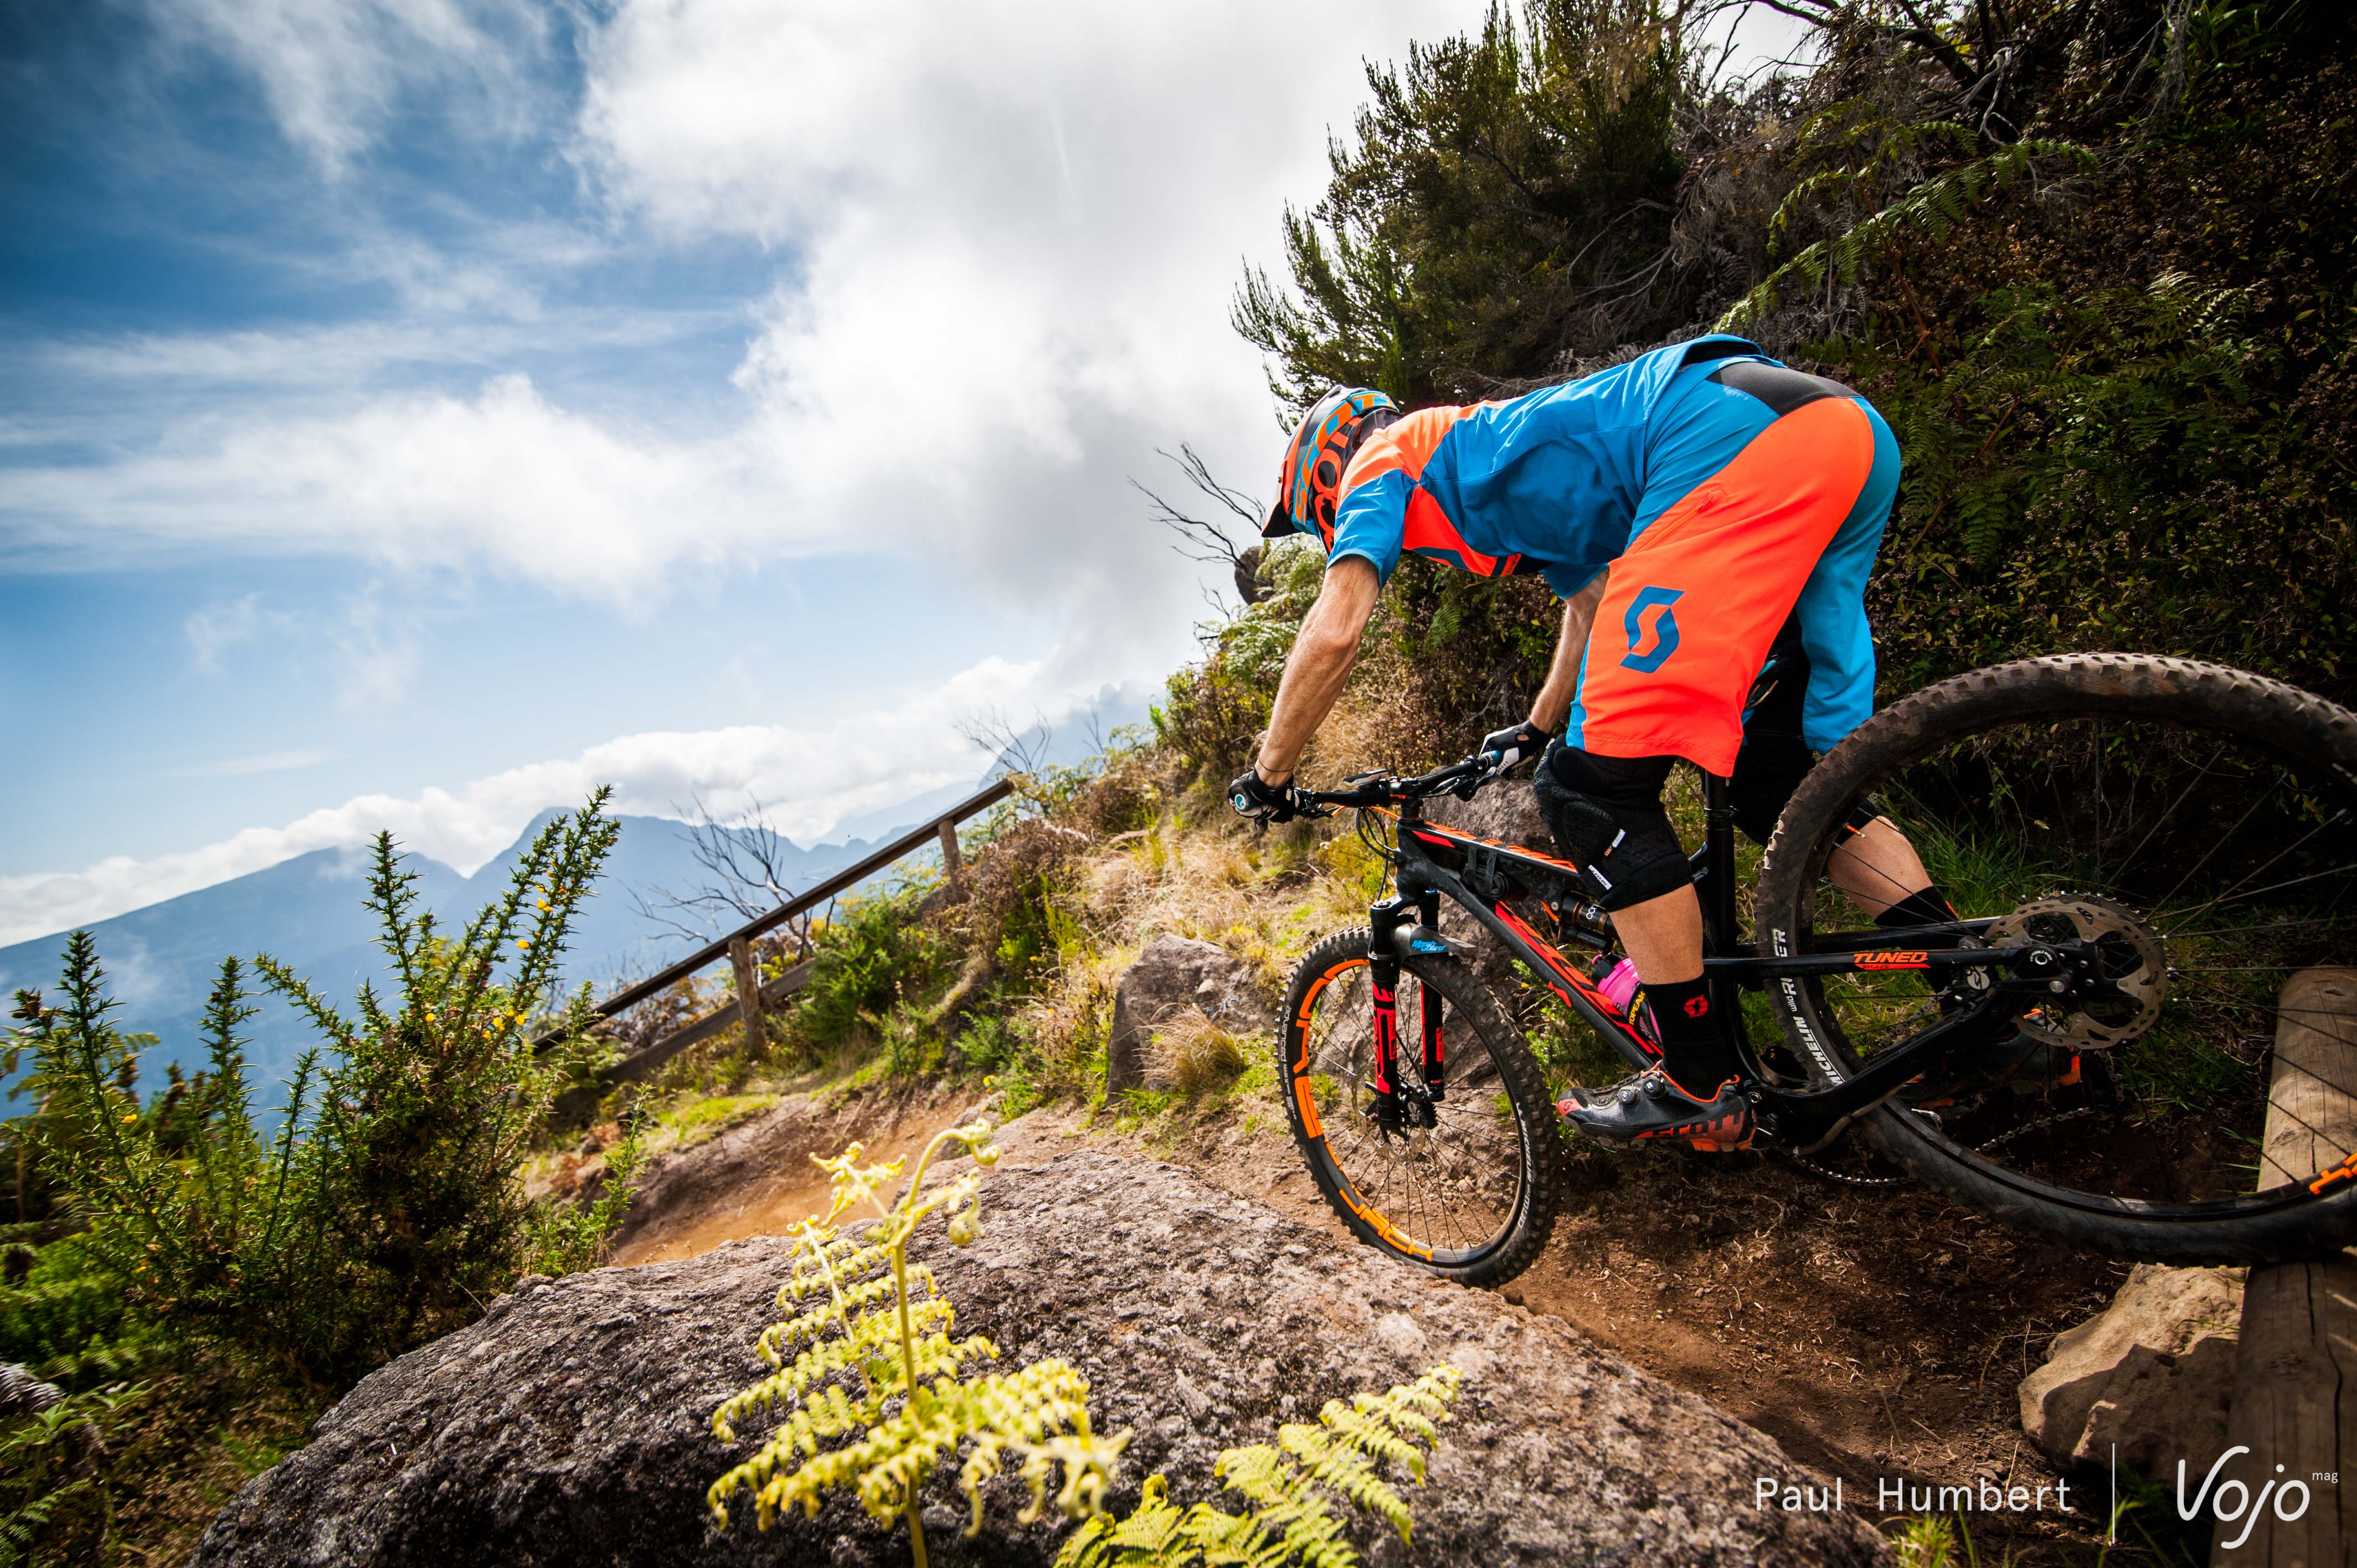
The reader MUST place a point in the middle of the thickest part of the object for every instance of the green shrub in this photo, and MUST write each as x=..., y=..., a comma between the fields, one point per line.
x=989, y=1043
x=70, y=1323
x=1505, y=200
x=2104, y=294
x=385, y=1208
x=55, y=1502
x=873, y=954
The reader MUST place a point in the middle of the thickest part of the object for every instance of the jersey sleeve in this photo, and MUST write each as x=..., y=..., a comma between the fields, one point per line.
x=1566, y=581
x=1372, y=523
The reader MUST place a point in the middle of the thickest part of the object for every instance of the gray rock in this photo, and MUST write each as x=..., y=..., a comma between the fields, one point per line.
x=1508, y=811
x=1173, y=976
x=2154, y=1373
x=484, y=1448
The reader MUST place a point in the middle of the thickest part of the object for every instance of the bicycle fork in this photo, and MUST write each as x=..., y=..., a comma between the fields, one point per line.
x=1400, y=1105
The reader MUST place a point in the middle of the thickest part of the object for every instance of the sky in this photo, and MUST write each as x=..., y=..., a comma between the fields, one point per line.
x=416, y=412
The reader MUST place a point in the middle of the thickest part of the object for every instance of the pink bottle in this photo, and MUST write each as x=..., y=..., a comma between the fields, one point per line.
x=1620, y=987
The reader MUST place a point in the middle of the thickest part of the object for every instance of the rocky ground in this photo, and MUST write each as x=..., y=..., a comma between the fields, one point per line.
x=1873, y=1332
x=569, y=1426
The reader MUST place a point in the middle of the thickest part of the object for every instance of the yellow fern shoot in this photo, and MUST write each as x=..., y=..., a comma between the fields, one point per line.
x=1287, y=1484
x=864, y=1353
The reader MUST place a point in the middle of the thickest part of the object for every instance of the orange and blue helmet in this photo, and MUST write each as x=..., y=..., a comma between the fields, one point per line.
x=1309, y=485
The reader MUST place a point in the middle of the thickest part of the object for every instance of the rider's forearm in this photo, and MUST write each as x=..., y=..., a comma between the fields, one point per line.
x=1553, y=700
x=1320, y=664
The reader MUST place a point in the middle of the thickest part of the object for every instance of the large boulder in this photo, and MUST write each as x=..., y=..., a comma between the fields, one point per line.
x=1174, y=978
x=569, y=1426
x=2153, y=1373
x=1507, y=812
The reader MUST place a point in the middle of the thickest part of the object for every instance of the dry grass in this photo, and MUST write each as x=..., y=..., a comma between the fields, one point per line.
x=1266, y=898
x=1198, y=1056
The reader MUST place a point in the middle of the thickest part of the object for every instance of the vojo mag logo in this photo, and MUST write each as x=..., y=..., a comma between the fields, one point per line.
x=2246, y=1509
x=1664, y=629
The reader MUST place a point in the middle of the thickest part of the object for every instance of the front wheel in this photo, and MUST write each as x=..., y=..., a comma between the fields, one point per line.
x=2195, y=829
x=1470, y=1196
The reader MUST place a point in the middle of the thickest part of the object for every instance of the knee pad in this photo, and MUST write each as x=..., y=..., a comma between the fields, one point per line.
x=1607, y=818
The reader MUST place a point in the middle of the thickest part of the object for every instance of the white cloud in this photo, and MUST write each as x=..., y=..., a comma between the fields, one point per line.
x=1007, y=234
x=1004, y=238
x=806, y=781
x=502, y=478
x=333, y=71
x=221, y=625
x=350, y=354
x=377, y=653
x=241, y=767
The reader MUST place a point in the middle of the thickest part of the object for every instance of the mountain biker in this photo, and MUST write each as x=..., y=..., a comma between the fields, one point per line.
x=1695, y=508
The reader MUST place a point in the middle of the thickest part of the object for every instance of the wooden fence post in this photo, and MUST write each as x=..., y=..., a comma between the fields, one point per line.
x=748, y=990
x=2295, y=1368
x=952, y=865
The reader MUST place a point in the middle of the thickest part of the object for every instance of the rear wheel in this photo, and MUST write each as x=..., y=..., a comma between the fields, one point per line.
x=2197, y=827
x=1472, y=1197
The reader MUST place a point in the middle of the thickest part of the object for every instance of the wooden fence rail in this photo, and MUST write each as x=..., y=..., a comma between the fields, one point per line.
x=737, y=946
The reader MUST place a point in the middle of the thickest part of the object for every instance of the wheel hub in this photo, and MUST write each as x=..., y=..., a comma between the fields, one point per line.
x=2116, y=993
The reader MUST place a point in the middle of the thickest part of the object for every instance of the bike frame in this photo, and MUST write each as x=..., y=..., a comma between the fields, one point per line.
x=1482, y=875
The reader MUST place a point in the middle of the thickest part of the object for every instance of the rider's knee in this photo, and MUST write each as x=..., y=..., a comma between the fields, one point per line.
x=1607, y=818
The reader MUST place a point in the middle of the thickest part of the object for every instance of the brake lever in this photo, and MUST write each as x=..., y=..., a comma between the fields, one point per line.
x=1486, y=761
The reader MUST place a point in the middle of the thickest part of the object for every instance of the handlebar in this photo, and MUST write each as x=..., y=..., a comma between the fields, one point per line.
x=1460, y=779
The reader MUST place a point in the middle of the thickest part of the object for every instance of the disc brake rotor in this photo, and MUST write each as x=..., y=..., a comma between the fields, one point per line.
x=2122, y=997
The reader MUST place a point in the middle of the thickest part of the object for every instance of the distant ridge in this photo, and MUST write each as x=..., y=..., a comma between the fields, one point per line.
x=161, y=960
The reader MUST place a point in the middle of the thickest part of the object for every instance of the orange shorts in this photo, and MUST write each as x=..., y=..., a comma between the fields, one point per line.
x=1692, y=606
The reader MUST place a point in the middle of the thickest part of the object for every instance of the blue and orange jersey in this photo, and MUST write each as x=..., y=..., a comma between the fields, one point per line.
x=1662, y=464
x=1548, y=482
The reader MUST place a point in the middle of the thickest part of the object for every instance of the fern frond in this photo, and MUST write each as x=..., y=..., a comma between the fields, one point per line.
x=1152, y=1534
x=1415, y=1408
x=780, y=1338
x=1040, y=1411
x=1289, y=1510
x=1287, y=1484
x=1934, y=207
x=863, y=1340
x=1341, y=1468
x=830, y=1265
x=887, y=1323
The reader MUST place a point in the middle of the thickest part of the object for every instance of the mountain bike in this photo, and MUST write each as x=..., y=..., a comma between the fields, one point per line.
x=2142, y=852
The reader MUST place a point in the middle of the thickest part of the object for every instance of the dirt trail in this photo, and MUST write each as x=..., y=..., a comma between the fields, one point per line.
x=756, y=1179
x=1873, y=1332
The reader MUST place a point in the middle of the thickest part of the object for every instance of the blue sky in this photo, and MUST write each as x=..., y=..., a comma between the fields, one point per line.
x=416, y=411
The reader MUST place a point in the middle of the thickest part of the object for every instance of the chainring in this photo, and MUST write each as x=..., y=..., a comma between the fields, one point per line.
x=2123, y=998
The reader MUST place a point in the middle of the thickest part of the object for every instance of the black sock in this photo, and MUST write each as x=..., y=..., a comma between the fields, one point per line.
x=1928, y=907
x=1697, y=1050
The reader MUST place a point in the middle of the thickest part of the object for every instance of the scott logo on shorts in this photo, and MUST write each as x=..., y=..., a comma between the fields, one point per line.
x=1666, y=629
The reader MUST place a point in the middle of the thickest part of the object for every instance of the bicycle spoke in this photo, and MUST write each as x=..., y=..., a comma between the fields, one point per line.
x=2278, y=887
x=2200, y=869
x=2190, y=785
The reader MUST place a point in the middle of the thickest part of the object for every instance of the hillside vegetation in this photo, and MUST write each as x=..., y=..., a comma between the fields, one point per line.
x=2094, y=261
